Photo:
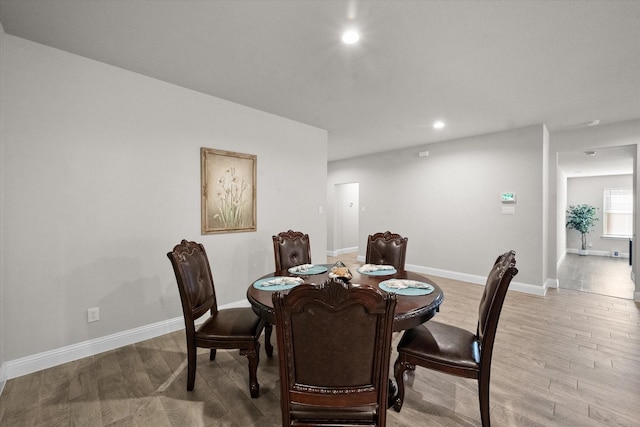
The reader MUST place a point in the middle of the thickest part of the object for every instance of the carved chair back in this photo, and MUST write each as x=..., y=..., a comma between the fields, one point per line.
x=491, y=303
x=291, y=248
x=387, y=248
x=195, y=281
x=334, y=343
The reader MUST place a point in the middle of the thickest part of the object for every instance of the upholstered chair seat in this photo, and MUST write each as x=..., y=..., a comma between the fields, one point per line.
x=234, y=328
x=457, y=351
x=443, y=344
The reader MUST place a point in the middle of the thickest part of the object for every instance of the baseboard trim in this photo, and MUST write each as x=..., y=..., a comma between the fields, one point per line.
x=476, y=279
x=552, y=283
x=37, y=362
x=3, y=376
x=26, y=365
x=338, y=252
x=600, y=253
x=29, y=364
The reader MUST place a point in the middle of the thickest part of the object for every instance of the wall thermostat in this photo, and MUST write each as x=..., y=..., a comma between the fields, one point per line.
x=508, y=197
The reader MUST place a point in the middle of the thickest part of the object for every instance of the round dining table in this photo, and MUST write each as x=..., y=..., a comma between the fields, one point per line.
x=411, y=310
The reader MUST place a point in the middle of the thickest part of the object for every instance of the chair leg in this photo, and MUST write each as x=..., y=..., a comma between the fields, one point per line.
x=268, y=348
x=392, y=392
x=191, y=364
x=212, y=354
x=253, y=354
x=483, y=395
x=399, y=368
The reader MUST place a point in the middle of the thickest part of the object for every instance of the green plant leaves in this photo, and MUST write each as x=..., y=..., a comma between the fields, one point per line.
x=582, y=218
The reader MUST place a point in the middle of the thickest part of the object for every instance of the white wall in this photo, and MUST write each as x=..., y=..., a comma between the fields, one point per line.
x=590, y=190
x=3, y=60
x=560, y=199
x=101, y=178
x=448, y=204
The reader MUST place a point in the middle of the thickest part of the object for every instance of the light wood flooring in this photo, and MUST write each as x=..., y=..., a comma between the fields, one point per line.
x=567, y=359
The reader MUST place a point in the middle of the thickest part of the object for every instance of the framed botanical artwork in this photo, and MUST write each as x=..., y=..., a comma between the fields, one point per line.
x=228, y=182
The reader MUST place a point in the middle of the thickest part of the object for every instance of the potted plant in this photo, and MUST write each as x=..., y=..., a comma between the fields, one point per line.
x=583, y=219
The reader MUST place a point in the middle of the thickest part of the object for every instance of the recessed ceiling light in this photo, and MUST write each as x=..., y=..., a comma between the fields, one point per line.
x=350, y=37
x=438, y=125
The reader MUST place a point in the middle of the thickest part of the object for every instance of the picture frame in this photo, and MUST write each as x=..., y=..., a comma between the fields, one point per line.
x=228, y=189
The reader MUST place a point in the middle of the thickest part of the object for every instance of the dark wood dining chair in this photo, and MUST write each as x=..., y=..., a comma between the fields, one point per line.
x=233, y=328
x=386, y=248
x=291, y=248
x=334, y=343
x=456, y=351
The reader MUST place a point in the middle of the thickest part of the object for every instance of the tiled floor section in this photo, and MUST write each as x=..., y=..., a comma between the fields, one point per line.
x=594, y=274
x=597, y=274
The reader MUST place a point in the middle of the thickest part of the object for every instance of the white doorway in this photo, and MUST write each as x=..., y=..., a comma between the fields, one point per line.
x=586, y=176
x=346, y=218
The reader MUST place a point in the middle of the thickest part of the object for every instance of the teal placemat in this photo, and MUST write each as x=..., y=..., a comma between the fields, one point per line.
x=316, y=269
x=407, y=291
x=260, y=284
x=378, y=272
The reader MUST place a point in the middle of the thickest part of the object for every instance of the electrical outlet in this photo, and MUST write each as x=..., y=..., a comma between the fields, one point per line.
x=93, y=314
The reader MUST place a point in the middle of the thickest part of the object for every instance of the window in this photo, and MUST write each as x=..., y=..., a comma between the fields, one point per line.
x=617, y=218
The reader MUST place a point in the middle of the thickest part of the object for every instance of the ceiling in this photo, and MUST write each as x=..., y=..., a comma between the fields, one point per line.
x=603, y=161
x=480, y=67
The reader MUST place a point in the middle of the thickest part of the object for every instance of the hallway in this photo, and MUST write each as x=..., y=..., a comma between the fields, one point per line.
x=597, y=274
